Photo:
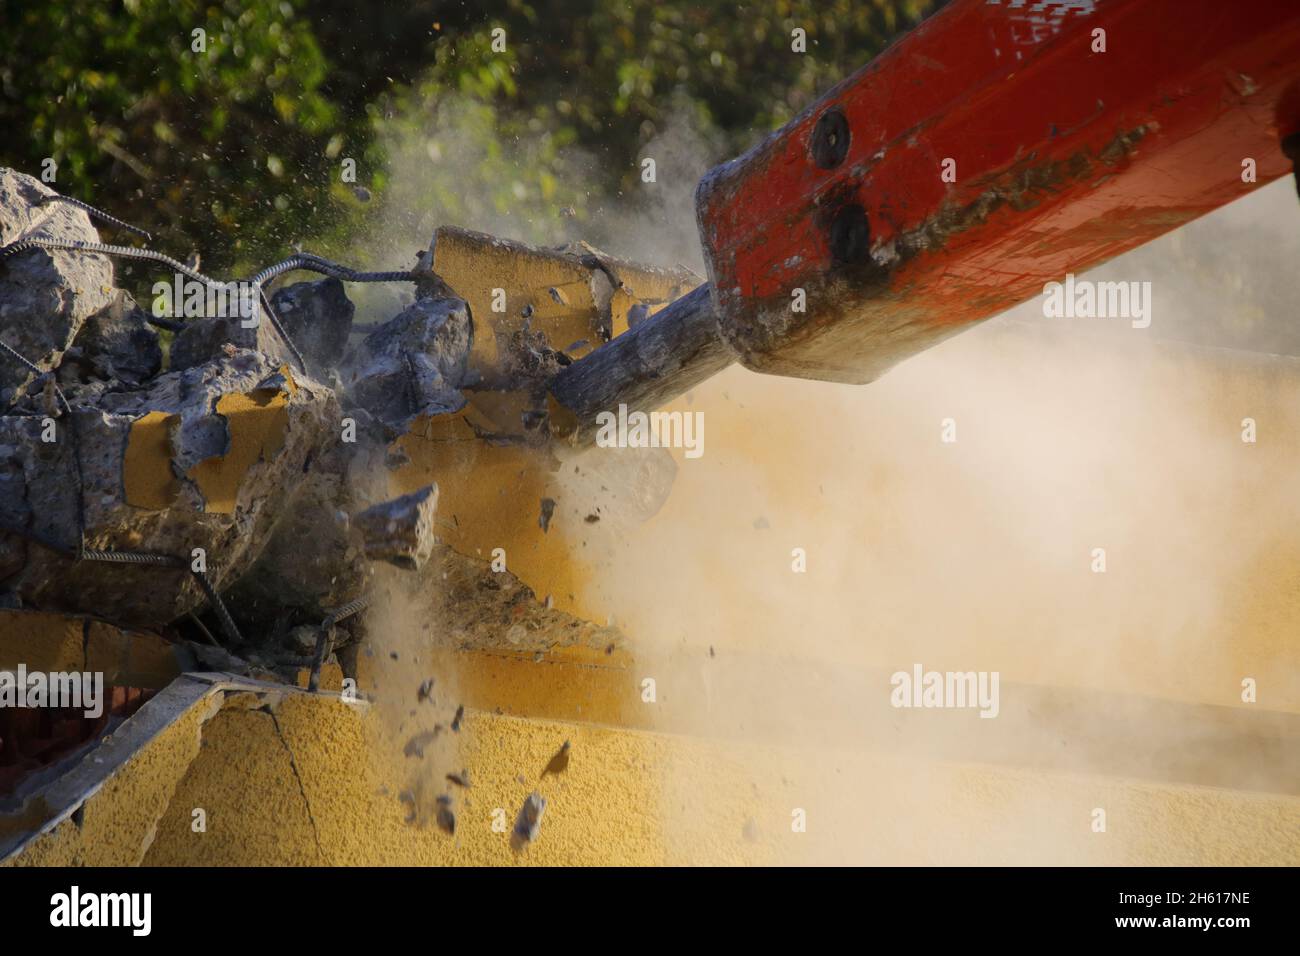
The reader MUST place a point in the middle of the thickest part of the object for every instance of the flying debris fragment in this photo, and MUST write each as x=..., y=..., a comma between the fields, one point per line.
x=401, y=531
x=529, y=822
x=446, y=818
x=415, y=746
x=559, y=763
x=548, y=509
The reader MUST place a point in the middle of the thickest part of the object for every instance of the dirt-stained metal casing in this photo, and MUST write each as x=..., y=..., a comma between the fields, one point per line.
x=993, y=149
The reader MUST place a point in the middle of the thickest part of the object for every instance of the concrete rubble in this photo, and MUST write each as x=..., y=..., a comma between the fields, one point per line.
x=401, y=531
x=528, y=823
x=45, y=295
x=143, y=473
x=226, y=483
x=412, y=365
x=313, y=559
x=318, y=317
x=115, y=344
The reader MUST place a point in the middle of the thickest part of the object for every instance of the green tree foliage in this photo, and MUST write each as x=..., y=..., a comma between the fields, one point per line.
x=237, y=150
x=208, y=148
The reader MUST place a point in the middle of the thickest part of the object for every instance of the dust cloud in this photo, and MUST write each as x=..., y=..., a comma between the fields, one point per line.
x=414, y=738
x=978, y=555
x=971, y=555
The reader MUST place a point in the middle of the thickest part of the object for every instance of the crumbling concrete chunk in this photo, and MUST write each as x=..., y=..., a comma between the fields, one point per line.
x=202, y=459
x=116, y=344
x=212, y=339
x=318, y=317
x=401, y=531
x=412, y=365
x=528, y=823
x=45, y=294
x=312, y=561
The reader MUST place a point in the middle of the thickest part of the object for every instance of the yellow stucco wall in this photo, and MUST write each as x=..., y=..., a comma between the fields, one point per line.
x=119, y=819
x=291, y=778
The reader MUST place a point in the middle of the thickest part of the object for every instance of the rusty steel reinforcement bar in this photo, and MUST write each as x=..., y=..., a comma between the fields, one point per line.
x=280, y=329
x=310, y=262
x=644, y=368
x=131, y=557
x=125, y=252
x=340, y=614
x=219, y=607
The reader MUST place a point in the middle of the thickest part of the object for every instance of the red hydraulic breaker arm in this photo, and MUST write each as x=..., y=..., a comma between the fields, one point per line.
x=994, y=148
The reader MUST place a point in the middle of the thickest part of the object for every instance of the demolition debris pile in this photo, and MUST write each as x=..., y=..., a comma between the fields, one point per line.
x=231, y=493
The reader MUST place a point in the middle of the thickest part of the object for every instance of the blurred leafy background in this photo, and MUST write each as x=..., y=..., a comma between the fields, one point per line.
x=237, y=151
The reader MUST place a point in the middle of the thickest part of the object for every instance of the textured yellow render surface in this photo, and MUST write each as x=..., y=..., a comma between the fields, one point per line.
x=256, y=423
x=146, y=468
x=284, y=777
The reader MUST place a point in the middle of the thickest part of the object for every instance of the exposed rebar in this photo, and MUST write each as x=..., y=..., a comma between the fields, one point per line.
x=130, y=557
x=32, y=366
x=219, y=608
x=303, y=260
x=95, y=213
x=323, y=641
x=280, y=330
x=128, y=252
x=310, y=262
x=346, y=611
x=125, y=252
x=203, y=628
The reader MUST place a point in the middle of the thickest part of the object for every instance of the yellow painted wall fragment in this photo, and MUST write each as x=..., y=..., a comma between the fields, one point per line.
x=491, y=498
x=285, y=777
x=474, y=265
x=256, y=423
x=118, y=824
x=492, y=494
x=41, y=640
x=51, y=642
x=146, y=469
x=551, y=286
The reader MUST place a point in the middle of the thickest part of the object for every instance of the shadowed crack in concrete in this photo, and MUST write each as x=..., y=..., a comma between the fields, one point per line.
x=266, y=709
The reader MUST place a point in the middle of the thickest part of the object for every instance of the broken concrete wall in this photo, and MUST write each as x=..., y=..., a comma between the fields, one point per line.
x=204, y=458
x=271, y=479
x=313, y=561
x=209, y=339
x=316, y=316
